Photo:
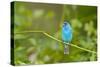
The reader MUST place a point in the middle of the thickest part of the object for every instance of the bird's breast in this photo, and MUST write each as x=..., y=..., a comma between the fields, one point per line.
x=67, y=35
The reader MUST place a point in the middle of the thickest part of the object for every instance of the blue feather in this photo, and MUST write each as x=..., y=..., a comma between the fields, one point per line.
x=66, y=33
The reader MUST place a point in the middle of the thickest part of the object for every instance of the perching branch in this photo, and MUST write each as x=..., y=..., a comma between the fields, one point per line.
x=56, y=40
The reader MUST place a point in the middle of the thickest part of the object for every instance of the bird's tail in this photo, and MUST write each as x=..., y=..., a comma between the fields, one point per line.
x=66, y=49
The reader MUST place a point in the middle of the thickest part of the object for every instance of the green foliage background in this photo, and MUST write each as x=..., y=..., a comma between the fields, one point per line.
x=37, y=48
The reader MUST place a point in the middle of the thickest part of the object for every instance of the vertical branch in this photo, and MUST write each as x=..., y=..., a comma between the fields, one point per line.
x=63, y=13
x=57, y=34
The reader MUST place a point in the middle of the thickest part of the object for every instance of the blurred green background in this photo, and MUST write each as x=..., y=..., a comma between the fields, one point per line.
x=37, y=48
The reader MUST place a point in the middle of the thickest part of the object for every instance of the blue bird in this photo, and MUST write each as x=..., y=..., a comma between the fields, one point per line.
x=66, y=36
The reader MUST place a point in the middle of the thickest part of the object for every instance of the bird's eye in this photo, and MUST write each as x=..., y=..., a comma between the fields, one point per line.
x=65, y=24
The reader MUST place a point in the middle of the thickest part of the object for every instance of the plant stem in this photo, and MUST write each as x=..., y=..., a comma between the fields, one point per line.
x=56, y=40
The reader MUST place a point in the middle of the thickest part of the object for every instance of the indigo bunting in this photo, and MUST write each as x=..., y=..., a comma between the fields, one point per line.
x=66, y=36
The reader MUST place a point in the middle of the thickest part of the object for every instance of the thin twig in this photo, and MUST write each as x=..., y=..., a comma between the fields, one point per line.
x=56, y=40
